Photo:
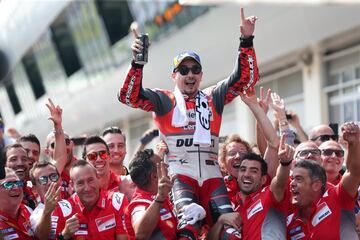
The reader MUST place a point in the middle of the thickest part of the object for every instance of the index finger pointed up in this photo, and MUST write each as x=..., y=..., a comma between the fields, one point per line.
x=282, y=141
x=242, y=15
x=164, y=170
x=134, y=27
x=158, y=171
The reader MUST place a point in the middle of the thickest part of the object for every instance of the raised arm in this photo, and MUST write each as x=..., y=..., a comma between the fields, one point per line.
x=351, y=178
x=60, y=155
x=245, y=73
x=264, y=102
x=267, y=129
x=134, y=95
x=52, y=196
x=280, y=181
x=145, y=225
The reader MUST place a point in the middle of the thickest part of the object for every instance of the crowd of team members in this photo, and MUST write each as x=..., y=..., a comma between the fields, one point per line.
x=278, y=189
x=283, y=187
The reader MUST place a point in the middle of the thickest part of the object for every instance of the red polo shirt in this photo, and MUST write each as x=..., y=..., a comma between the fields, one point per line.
x=114, y=182
x=104, y=221
x=327, y=218
x=19, y=228
x=255, y=209
x=166, y=223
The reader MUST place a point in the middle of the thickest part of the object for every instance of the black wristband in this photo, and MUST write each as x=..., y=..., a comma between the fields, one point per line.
x=285, y=164
x=246, y=42
x=159, y=201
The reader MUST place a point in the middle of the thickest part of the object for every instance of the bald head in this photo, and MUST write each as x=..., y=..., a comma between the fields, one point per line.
x=321, y=133
x=307, y=151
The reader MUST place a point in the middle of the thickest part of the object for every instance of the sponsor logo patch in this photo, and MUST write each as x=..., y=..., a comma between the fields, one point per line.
x=105, y=223
x=254, y=208
x=323, y=211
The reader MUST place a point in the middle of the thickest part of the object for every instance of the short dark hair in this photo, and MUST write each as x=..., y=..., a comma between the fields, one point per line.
x=40, y=164
x=91, y=140
x=114, y=130
x=29, y=138
x=11, y=146
x=316, y=171
x=81, y=163
x=141, y=167
x=255, y=157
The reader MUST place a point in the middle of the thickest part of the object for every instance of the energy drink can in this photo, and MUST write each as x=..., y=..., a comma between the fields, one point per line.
x=142, y=57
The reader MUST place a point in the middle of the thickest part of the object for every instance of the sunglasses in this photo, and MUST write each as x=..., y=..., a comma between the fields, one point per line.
x=329, y=152
x=305, y=153
x=324, y=138
x=94, y=155
x=234, y=153
x=184, y=70
x=10, y=185
x=53, y=177
x=67, y=142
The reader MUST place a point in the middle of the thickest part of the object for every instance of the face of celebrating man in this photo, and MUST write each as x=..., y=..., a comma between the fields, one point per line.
x=188, y=76
x=11, y=191
x=98, y=156
x=33, y=151
x=249, y=178
x=117, y=147
x=234, y=153
x=17, y=159
x=332, y=156
x=44, y=177
x=302, y=187
x=86, y=184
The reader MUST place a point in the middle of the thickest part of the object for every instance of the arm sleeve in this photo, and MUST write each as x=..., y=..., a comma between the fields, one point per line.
x=57, y=222
x=244, y=76
x=134, y=95
x=345, y=201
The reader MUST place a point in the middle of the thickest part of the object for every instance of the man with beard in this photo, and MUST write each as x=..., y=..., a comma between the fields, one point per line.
x=17, y=159
x=14, y=216
x=32, y=146
x=321, y=212
x=116, y=141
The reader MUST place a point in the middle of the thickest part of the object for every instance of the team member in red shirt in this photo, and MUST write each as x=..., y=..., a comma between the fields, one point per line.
x=318, y=212
x=332, y=158
x=97, y=152
x=91, y=213
x=150, y=211
x=14, y=216
x=17, y=159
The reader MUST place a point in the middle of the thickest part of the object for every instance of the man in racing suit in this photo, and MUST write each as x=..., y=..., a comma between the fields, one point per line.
x=196, y=170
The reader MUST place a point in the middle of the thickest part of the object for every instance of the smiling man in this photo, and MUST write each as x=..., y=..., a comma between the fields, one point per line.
x=189, y=122
x=91, y=213
x=319, y=211
x=14, y=216
x=17, y=159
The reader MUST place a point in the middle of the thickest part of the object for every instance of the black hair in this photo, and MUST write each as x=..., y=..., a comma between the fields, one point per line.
x=114, y=130
x=40, y=164
x=255, y=157
x=316, y=171
x=141, y=167
x=91, y=140
x=29, y=138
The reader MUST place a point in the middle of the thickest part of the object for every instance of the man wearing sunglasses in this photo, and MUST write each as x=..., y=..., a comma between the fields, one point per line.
x=184, y=114
x=46, y=181
x=97, y=153
x=14, y=216
x=322, y=133
x=332, y=158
